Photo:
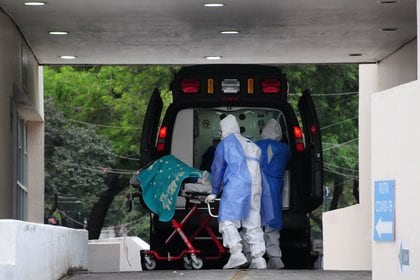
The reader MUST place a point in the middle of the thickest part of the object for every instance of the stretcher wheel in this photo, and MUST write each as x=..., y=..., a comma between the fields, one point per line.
x=187, y=263
x=150, y=263
x=198, y=263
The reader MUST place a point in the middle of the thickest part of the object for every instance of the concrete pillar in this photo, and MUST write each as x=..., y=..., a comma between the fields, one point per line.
x=368, y=84
x=418, y=33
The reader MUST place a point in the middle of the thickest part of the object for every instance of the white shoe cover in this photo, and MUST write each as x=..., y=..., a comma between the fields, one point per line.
x=235, y=260
x=258, y=263
x=275, y=263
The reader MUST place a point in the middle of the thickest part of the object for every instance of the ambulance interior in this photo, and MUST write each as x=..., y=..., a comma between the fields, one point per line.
x=197, y=132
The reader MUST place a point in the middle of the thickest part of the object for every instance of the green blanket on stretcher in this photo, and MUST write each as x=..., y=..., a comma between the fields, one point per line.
x=160, y=184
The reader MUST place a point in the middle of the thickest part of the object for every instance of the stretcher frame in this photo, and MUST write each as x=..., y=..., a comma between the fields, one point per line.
x=191, y=255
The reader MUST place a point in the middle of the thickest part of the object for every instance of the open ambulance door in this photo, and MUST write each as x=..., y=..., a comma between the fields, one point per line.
x=313, y=170
x=150, y=128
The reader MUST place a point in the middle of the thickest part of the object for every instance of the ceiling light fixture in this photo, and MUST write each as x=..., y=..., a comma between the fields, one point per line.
x=392, y=29
x=215, y=57
x=387, y=1
x=229, y=32
x=35, y=3
x=213, y=5
x=67, y=57
x=355, y=54
x=58, y=33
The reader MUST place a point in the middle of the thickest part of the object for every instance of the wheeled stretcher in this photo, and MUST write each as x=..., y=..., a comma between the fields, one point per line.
x=189, y=228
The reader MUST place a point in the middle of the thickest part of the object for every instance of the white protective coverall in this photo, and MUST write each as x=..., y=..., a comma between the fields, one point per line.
x=236, y=174
x=274, y=158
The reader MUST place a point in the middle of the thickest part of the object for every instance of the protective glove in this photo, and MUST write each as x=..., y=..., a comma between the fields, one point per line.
x=210, y=198
x=205, y=179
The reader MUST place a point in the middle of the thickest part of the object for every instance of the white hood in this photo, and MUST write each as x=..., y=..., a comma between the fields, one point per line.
x=272, y=130
x=229, y=125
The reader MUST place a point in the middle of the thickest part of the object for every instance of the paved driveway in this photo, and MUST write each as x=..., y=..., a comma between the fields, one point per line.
x=246, y=274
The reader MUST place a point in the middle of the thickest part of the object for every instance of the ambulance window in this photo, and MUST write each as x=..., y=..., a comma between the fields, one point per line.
x=207, y=132
x=182, y=137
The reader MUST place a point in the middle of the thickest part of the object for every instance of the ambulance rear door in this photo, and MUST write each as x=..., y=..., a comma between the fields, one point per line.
x=150, y=128
x=313, y=161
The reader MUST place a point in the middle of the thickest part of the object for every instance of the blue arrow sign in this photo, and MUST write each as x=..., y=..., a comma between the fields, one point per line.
x=404, y=257
x=384, y=211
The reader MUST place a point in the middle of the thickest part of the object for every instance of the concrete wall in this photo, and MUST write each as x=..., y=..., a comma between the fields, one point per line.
x=350, y=229
x=395, y=113
x=37, y=251
x=36, y=172
x=398, y=68
x=8, y=74
x=122, y=254
x=12, y=73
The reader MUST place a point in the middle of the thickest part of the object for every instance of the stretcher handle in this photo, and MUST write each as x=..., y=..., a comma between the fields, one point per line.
x=209, y=209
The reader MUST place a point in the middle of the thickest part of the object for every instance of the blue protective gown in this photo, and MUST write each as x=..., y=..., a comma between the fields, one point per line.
x=234, y=181
x=274, y=170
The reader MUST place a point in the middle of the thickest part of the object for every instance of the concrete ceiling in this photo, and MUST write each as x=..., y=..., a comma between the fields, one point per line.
x=184, y=31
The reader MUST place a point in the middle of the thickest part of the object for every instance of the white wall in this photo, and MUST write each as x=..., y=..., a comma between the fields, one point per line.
x=350, y=229
x=395, y=156
x=11, y=47
x=398, y=68
x=116, y=254
x=37, y=251
x=395, y=113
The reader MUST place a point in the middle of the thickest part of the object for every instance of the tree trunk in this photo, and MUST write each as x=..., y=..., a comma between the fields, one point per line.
x=338, y=191
x=97, y=215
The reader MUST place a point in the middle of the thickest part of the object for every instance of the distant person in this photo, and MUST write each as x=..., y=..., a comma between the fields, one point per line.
x=207, y=158
x=55, y=218
x=236, y=175
x=274, y=157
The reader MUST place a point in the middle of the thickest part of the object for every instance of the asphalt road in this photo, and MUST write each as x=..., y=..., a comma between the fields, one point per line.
x=236, y=274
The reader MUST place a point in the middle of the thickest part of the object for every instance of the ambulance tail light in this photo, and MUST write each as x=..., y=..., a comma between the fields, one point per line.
x=299, y=138
x=210, y=86
x=270, y=86
x=190, y=86
x=250, y=86
x=163, y=132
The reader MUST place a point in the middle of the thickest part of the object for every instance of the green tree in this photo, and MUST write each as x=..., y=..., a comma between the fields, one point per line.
x=112, y=97
x=74, y=161
x=110, y=100
x=335, y=92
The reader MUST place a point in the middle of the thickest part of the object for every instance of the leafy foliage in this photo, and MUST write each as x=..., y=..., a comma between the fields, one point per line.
x=73, y=160
x=335, y=93
x=108, y=104
x=334, y=89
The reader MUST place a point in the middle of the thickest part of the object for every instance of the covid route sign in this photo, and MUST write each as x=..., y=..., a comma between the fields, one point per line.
x=384, y=211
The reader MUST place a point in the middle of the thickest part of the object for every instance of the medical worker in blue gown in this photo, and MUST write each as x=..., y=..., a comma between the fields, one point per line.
x=274, y=158
x=236, y=174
